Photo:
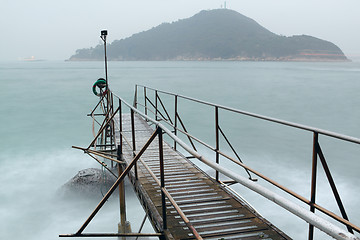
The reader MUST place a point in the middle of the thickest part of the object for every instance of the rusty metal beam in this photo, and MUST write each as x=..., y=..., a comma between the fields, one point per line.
x=100, y=154
x=333, y=186
x=112, y=189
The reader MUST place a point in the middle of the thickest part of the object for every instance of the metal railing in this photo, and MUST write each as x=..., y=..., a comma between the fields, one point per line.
x=158, y=109
x=162, y=116
x=102, y=136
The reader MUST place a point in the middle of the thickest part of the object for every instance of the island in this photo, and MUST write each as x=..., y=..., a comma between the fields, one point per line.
x=219, y=34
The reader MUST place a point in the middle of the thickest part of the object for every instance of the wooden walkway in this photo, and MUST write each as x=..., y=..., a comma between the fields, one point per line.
x=212, y=210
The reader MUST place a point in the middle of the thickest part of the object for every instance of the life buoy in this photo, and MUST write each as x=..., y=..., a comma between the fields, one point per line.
x=100, y=83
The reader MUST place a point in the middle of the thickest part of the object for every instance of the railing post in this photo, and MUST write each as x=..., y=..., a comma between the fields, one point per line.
x=120, y=126
x=133, y=140
x=313, y=180
x=112, y=142
x=217, y=139
x=145, y=101
x=162, y=177
x=135, y=97
x=122, y=225
x=175, y=121
x=156, y=105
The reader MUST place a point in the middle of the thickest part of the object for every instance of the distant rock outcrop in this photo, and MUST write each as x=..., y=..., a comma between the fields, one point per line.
x=220, y=34
x=89, y=182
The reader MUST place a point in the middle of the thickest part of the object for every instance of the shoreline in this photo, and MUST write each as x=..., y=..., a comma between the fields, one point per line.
x=242, y=59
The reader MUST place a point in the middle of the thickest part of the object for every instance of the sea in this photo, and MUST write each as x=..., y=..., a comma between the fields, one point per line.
x=44, y=107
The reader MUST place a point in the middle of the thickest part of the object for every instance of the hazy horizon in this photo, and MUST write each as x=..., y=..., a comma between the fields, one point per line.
x=55, y=30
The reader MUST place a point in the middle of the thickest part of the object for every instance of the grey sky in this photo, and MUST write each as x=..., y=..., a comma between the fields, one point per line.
x=50, y=29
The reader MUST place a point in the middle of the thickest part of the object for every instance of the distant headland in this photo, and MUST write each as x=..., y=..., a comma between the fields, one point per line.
x=220, y=34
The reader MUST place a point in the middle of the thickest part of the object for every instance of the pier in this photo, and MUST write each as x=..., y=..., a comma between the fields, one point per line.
x=181, y=200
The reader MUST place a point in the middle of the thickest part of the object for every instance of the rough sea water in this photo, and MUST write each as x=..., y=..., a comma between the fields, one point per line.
x=43, y=113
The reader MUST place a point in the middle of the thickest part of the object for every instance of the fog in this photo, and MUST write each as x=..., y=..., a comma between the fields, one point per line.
x=53, y=30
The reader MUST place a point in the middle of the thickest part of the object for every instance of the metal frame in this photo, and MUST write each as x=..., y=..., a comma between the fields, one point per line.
x=316, y=150
x=109, y=115
x=108, y=120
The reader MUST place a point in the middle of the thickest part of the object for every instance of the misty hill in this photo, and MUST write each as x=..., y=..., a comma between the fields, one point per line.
x=220, y=34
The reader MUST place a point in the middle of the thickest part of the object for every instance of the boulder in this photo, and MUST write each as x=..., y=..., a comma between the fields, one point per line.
x=89, y=182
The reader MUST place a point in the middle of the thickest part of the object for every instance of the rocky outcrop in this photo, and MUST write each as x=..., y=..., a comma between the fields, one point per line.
x=89, y=182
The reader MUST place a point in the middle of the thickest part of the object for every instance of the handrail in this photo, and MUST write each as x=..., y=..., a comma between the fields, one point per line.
x=207, y=145
x=316, y=152
x=270, y=119
x=311, y=203
x=315, y=130
x=307, y=215
x=301, y=212
x=158, y=132
x=276, y=184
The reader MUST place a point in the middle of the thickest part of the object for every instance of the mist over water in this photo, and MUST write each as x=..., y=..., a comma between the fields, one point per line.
x=43, y=113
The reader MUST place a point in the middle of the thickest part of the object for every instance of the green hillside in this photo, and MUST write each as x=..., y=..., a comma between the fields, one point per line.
x=220, y=34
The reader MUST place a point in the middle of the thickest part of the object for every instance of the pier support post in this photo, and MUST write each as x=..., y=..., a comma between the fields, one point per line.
x=124, y=225
x=162, y=177
x=133, y=141
x=217, y=141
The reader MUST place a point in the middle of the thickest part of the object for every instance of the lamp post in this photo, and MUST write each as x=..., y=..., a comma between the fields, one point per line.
x=104, y=33
x=103, y=37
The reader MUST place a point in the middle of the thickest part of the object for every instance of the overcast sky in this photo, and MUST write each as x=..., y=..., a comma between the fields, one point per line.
x=53, y=30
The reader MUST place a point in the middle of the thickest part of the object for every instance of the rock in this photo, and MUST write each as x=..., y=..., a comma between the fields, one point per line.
x=89, y=182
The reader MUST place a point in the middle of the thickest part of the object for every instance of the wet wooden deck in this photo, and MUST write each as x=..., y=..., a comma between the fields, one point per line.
x=214, y=212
